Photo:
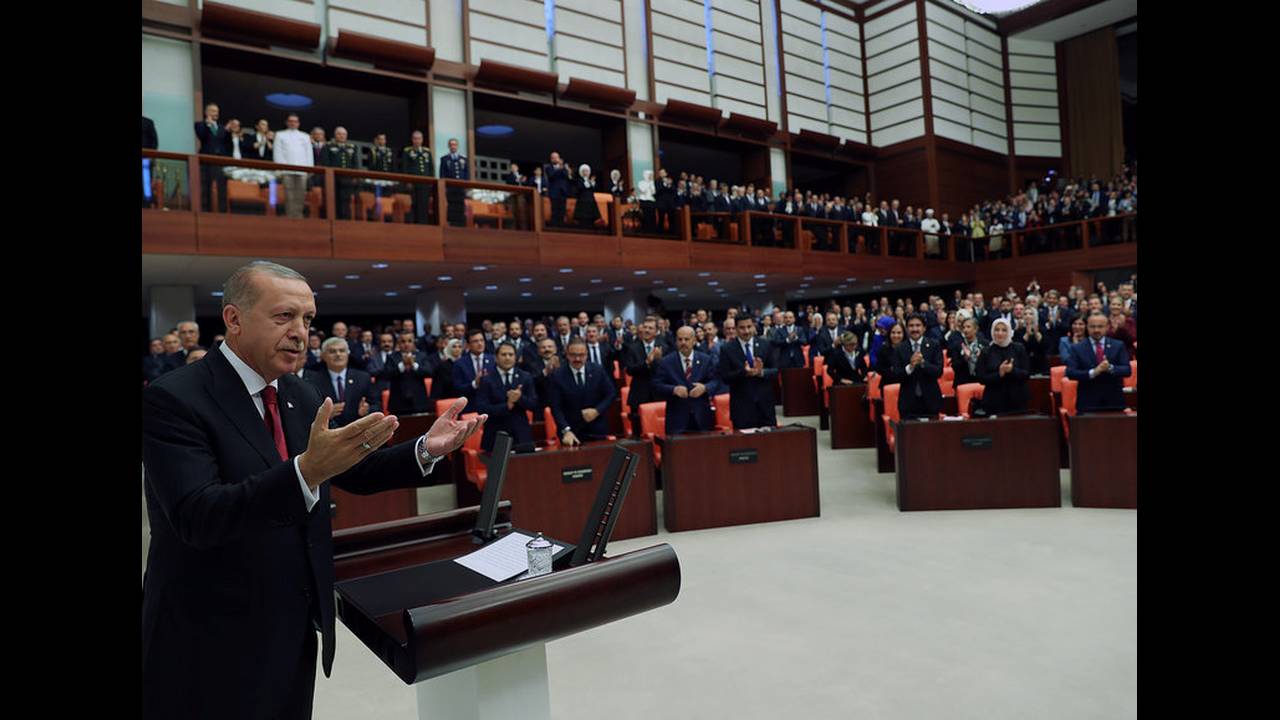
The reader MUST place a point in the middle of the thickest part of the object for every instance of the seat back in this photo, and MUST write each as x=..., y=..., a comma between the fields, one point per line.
x=891, y=401
x=1069, y=387
x=427, y=382
x=722, y=412
x=804, y=351
x=819, y=364
x=653, y=419
x=386, y=399
x=1056, y=376
x=239, y=191
x=965, y=394
x=1132, y=380
x=947, y=382
x=442, y=405
x=549, y=420
x=873, y=386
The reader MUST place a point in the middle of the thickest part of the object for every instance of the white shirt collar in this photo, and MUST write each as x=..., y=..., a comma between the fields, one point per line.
x=253, y=382
x=334, y=376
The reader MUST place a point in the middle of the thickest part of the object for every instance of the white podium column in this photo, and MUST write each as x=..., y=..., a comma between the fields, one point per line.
x=512, y=686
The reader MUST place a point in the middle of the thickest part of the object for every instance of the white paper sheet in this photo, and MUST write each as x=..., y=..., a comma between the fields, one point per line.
x=502, y=559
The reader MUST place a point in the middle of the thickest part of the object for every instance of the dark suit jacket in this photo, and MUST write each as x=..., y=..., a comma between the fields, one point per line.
x=559, y=185
x=464, y=373
x=925, y=376
x=686, y=414
x=455, y=169
x=149, y=139
x=491, y=398
x=236, y=561
x=359, y=385
x=211, y=142
x=442, y=381
x=153, y=366
x=837, y=365
x=408, y=391
x=1007, y=394
x=1107, y=389
x=820, y=342
x=751, y=401
x=790, y=352
x=567, y=401
x=960, y=365
x=634, y=361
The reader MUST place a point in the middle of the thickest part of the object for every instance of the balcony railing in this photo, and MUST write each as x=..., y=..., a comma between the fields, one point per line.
x=217, y=184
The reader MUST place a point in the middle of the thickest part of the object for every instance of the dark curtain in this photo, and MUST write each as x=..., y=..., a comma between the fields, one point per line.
x=1094, y=129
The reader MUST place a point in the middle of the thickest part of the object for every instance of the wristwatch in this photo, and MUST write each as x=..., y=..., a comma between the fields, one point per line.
x=425, y=457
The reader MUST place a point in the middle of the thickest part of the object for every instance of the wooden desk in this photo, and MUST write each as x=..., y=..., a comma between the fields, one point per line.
x=1006, y=462
x=1131, y=398
x=352, y=510
x=850, y=425
x=704, y=487
x=1040, y=394
x=545, y=502
x=1104, y=460
x=798, y=394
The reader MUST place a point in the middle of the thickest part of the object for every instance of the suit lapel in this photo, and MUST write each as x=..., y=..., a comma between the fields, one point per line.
x=233, y=398
x=296, y=430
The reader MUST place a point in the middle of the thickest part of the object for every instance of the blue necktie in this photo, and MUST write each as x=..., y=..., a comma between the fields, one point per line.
x=750, y=359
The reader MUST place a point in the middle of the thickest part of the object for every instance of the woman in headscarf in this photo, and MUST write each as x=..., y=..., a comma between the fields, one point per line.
x=442, y=378
x=585, y=212
x=879, y=335
x=616, y=188
x=1003, y=372
x=645, y=190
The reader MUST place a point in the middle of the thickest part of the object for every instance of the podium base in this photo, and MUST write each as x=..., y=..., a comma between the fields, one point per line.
x=512, y=686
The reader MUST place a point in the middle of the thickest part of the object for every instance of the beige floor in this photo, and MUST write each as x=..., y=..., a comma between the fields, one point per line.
x=864, y=612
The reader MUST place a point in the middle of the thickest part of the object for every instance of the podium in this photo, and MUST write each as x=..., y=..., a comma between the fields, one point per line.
x=1104, y=460
x=475, y=647
x=716, y=479
x=851, y=427
x=798, y=394
x=1003, y=462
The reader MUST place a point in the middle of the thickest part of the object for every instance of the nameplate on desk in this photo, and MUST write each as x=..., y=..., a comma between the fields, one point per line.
x=976, y=443
x=580, y=473
x=743, y=457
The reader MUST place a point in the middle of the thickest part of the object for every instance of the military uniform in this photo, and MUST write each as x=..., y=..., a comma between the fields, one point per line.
x=342, y=155
x=382, y=160
x=455, y=168
x=417, y=161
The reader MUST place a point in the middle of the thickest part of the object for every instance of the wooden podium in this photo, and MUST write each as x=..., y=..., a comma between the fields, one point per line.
x=1104, y=460
x=716, y=479
x=851, y=427
x=1004, y=462
x=476, y=648
x=798, y=394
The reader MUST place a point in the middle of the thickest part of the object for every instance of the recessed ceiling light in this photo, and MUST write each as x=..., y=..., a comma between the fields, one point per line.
x=684, y=295
x=391, y=293
x=851, y=279
x=804, y=285
x=704, y=274
x=480, y=268
x=672, y=289
x=526, y=280
x=713, y=283
x=923, y=282
x=444, y=278
x=659, y=282
x=329, y=286
x=583, y=294
x=526, y=294
x=618, y=288
x=558, y=288
x=490, y=287
x=758, y=276
x=641, y=272
x=415, y=286
x=352, y=277
x=761, y=284
x=465, y=293
x=566, y=270
x=380, y=266
x=596, y=281
x=808, y=277
x=888, y=280
x=216, y=293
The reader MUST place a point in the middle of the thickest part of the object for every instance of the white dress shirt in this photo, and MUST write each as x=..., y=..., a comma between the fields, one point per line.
x=292, y=147
x=254, y=385
x=870, y=218
x=235, y=146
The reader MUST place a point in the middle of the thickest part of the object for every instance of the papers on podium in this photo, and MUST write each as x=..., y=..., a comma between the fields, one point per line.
x=502, y=559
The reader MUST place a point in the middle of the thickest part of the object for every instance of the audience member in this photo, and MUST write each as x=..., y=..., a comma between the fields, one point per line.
x=748, y=367
x=687, y=380
x=1004, y=371
x=507, y=397
x=579, y=397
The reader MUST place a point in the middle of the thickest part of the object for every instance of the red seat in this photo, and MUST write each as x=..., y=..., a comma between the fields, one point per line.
x=947, y=382
x=653, y=424
x=442, y=405
x=965, y=394
x=386, y=398
x=890, y=415
x=873, y=393
x=819, y=365
x=805, y=349
x=626, y=409
x=477, y=471
x=1132, y=380
x=1068, y=408
x=721, y=403
x=428, y=382
x=1056, y=375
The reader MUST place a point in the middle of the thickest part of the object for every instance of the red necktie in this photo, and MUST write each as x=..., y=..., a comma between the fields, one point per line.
x=1097, y=351
x=272, y=420
x=688, y=369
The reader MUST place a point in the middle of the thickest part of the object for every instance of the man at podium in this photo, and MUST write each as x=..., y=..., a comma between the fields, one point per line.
x=236, y=453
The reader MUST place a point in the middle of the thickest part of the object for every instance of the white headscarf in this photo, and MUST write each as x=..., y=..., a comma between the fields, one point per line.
x=1008, y=338
x=584, y=170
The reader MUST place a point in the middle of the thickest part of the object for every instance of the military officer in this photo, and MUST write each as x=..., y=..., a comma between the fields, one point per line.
x=342, y=154
x=382, y=159
x=415, y=159
x=454, y=166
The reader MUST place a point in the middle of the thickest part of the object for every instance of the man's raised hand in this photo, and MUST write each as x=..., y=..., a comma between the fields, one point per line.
x=332, y=452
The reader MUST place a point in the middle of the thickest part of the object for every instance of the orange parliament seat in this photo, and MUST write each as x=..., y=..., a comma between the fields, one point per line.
x=946, y=359
x=442, y=405
x=401, y=204
x=1132, y=380
x=386, y=398
x=626, y=409
x=1068, y=408
x=947, y=382
x=245, y=193
x=366, y=202
x=602, y=204
x=721, y=402
x=549, y=420
x=653, y=424
x=819, y=365
x=1056, y=375
x=804, y=349
x=427, y=382
x=890, y=415
x=315, y=201
x=477, y=471
x=873, y=393
x=822, y=382
x=965, y=394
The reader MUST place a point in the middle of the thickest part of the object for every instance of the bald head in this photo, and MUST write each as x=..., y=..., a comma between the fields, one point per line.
x=685, y=339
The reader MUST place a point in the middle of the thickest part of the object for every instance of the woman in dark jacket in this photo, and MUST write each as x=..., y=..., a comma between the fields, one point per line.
x=966, y=352
x=585, y=212
x=884, y=357
x=1034, y=341
x=1003, y=372
x=442, y=378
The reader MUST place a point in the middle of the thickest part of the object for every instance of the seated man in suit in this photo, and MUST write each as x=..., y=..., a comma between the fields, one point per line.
x=1100, y=365
x=748, y=367
x=474, y=364
x=405, y=373
x=686, y=379
x=789, y=340
x=505, y=396
x=352, y=390
x=918, y=362
x=846, y=364
x=579, y=396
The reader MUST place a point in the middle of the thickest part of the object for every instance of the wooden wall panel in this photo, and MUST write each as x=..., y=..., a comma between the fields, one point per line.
x=1052, y=270
x=261, y=236
x=503, y=247
x=169, y=232
x=387, y=241
x=965, y=179
x=904, y=176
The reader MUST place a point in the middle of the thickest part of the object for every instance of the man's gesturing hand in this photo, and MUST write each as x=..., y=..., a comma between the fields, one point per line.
x=448, y=432
x=332, y=452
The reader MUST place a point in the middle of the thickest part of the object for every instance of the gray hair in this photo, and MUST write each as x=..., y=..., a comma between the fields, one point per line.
x=332, y=341
x=188, y=322
x=239, y=289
